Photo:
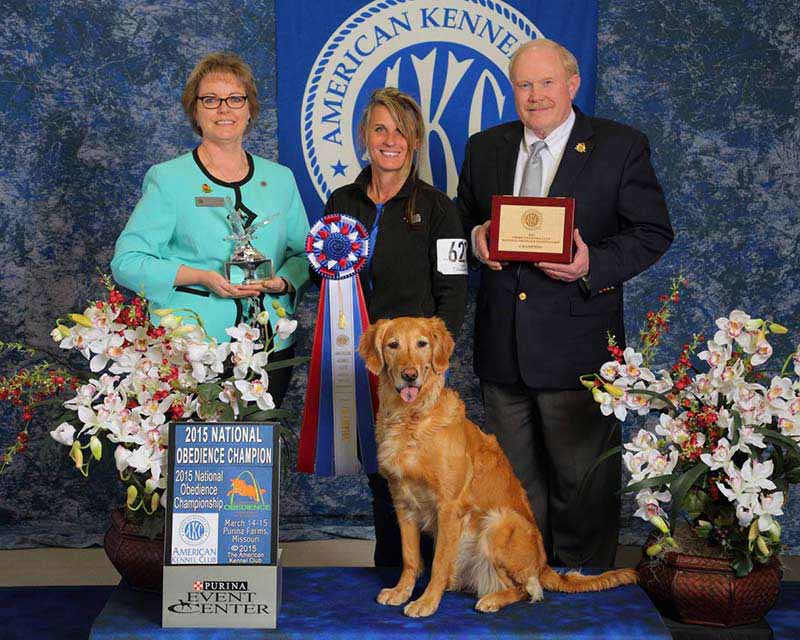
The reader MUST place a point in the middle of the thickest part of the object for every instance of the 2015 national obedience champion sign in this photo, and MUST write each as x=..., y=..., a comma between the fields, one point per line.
x=451, y=55
x=221, y=481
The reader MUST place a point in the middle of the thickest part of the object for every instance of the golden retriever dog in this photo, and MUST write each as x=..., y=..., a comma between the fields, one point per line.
x=449, y=478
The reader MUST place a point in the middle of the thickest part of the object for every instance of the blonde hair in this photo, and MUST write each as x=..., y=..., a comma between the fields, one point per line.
x=223, y=63
x=407, y=114
x=404, y=111
x=568, y=61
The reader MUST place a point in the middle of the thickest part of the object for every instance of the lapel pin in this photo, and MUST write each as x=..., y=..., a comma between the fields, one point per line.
x=206, y=188
x=580, y=147
x=263, y=183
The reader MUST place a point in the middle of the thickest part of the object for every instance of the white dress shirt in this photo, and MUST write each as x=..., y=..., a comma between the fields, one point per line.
x=550, y=155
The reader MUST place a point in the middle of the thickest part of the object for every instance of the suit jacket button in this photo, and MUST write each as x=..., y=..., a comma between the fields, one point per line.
x=523, y=296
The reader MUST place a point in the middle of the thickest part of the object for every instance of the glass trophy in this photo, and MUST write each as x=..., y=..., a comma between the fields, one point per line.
x=246, y=264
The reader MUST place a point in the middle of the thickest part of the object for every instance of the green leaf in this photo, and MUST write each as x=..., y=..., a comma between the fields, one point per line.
x=791, y=461
x=793, y=476
x=737, y=424
x=209, y=390
x=605, y=456
x=777, y=461
x=280, y=364
x=680, y=487
x=227, y=414
x=654, y=394
x=657, y=481
x=779, y=438
x=742, y=563
x=269, y=414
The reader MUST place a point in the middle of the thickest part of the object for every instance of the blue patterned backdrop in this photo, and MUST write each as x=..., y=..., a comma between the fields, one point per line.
x=90, y=98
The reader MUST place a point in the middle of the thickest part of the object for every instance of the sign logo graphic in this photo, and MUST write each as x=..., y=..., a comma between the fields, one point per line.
x=194, y=537
x=531, y=219
x=246, y=495
x=194, y=530
x=451, y=55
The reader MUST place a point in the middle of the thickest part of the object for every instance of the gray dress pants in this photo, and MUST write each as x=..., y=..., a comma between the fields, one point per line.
x=552, y=438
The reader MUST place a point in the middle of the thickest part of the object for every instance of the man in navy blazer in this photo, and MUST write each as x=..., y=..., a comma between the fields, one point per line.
x=540, y=326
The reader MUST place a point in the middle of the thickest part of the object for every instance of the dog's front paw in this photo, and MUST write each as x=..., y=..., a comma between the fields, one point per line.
x=488, y=604
x=394, y=596
x=421, y=608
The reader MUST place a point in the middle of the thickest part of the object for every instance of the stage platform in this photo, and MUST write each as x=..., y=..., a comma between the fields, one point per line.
x=339, y=603
x=67, y=613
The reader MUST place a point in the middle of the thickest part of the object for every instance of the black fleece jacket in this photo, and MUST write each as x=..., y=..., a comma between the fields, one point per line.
x=404, y=274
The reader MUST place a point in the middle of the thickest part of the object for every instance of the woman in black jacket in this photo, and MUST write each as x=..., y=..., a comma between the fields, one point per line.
x=416, y=265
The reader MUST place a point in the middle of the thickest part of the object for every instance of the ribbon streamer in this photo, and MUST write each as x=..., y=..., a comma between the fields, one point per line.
x=337, y=436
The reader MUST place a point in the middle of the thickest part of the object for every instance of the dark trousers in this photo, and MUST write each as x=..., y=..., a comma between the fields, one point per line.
x=388, y=548
x=279, y=378
x=552, y=438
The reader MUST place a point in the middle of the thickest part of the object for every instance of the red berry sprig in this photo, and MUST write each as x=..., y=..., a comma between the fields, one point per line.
x=657, y=322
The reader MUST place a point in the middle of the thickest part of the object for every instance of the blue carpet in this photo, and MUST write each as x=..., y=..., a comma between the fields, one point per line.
x=50, y=613
x=785, y=616
x=67, y=613
x=340, y=603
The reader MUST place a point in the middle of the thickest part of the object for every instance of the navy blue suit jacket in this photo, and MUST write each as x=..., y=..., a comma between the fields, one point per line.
x=559, y=331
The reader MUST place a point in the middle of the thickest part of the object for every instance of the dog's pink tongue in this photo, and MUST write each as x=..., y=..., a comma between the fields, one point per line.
x=409, y=394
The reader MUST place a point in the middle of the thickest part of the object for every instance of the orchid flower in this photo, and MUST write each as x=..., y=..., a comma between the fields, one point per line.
x=768, y=505
x=649, y=503
x=256, y=391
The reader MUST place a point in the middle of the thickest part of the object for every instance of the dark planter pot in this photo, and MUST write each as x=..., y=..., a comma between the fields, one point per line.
x=701, y=590
x=138, y=558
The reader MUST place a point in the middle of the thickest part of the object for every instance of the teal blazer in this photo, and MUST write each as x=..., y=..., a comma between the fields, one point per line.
x=168, y=229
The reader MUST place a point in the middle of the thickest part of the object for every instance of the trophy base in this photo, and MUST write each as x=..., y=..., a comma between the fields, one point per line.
x=248, y=271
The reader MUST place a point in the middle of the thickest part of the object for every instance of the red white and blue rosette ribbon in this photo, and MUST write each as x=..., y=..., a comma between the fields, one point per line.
x=337, y=246
x=338, y=427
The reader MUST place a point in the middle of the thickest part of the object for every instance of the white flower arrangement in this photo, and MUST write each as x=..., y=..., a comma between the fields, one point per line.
x=143, y=377
x=724, y=447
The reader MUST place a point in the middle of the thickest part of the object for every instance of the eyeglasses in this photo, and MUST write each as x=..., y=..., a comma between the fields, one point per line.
x=213, y=102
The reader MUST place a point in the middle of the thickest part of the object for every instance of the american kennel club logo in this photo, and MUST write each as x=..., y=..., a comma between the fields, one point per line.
x=195, y=538
x=451, y=55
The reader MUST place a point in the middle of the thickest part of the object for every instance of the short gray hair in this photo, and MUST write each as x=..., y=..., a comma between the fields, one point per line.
x=569, y=62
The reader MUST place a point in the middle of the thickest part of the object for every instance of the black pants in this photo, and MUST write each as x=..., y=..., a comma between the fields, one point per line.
x=388, y=548
x=552, y=438
x=279, y=378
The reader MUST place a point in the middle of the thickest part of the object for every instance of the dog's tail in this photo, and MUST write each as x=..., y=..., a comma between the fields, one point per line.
x=575, y=582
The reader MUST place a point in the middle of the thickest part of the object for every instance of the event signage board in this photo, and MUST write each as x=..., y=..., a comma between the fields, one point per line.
x=222, y=513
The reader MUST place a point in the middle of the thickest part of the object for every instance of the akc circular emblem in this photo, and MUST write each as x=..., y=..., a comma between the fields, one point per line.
x=194, y=530
x=450, y=55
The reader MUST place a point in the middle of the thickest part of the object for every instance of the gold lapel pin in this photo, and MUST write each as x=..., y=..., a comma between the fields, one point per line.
x=206, y=188
x=580, y=147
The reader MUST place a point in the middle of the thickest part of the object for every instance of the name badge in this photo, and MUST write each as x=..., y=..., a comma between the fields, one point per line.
x=201, y=201
x=451, y=256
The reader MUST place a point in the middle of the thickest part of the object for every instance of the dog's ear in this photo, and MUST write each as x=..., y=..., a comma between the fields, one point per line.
x=370, y=347
x=442, y=343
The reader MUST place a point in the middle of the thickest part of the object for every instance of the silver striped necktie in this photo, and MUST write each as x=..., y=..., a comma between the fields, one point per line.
x=532, y=175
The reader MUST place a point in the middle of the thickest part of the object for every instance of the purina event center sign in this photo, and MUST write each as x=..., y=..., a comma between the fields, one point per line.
x=221, y=551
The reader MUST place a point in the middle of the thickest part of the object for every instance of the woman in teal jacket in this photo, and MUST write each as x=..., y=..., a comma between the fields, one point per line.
x=174, y=247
